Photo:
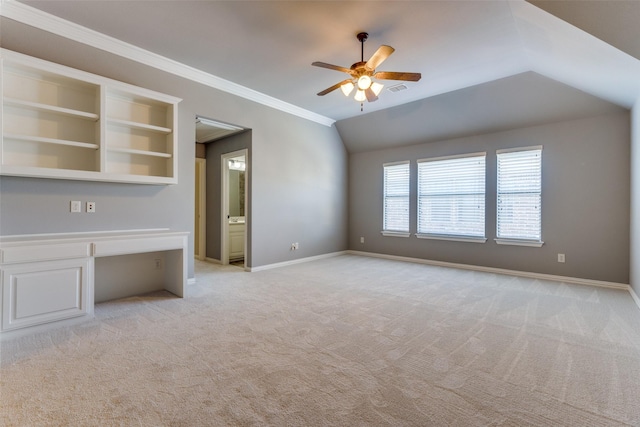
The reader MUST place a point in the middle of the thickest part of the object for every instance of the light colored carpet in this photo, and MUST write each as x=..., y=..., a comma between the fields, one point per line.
x=345, y=341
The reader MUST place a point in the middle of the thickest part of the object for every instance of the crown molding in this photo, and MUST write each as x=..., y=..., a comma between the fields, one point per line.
x=36, y=18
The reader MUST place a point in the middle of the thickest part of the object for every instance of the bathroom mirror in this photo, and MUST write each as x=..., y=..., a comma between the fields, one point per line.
x=236, y=187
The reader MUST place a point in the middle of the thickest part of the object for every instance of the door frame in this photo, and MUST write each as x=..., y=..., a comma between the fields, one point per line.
x=201, y=208
x=224, y=203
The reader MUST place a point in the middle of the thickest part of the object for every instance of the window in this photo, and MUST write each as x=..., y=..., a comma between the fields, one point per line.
x=519, y=196
x=396, y=199
x=451, y=197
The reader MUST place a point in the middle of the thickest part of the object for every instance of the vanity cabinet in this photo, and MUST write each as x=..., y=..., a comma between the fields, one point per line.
x=58, y=122
x=236, y=241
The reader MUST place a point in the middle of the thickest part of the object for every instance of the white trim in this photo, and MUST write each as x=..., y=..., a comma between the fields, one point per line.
x=468, y=239
x=527, y=274
x=9, y=238
x=634, y=296
x=45, y=327
x=516, y=149
x=455, y=156
x=403, y=162
x=191, y=281
x=36, y=18
x=395, y=233
x=295, y=261
x=516, y=242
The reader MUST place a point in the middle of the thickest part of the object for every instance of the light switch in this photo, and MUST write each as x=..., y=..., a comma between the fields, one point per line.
x=76, y=206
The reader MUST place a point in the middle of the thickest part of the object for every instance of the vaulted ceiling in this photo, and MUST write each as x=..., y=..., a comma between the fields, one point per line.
x=486, y=65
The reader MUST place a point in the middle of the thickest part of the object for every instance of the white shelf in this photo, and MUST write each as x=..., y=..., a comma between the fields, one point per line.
x=51, y=108
x=141, y=126
x=140, y=152
x=44, y=140
x=62, y=123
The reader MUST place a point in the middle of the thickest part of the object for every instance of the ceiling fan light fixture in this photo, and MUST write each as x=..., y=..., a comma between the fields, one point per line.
x=347, y=88
x=364, y=82
x=377, y=88
x=362, y=73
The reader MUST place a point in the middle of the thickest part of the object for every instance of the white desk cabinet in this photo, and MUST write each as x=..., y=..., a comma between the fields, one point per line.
x=50, y=278
x=35, y=293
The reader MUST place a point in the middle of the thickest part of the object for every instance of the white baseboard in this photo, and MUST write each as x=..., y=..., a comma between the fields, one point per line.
x=530, y=275
x=634, y=296
x=45, y=327
x=212, y=260
x=191, y=281
x=295, y=261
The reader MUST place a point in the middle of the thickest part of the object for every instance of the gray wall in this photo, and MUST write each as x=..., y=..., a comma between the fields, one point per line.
x=299, y=168
x=635, y=199
x=585, y=200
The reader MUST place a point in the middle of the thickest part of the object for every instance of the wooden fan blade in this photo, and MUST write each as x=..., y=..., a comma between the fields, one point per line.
x=370, y=95
x=332, y=88
x=377, y=58
x=332, y=67
x=391, y=75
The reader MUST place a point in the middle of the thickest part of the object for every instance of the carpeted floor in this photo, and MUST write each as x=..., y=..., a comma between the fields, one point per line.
x=344, y=341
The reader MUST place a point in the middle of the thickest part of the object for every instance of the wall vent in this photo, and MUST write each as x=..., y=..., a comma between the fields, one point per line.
x=397, y=88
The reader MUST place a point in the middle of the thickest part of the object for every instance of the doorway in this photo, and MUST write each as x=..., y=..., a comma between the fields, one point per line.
x=234, y=179
x=211, y=234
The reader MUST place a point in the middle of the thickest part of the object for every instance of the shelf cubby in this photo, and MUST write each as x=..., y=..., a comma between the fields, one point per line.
x=49, y=154
x=38, y=86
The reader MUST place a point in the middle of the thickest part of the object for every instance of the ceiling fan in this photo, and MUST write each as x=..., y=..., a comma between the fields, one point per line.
x=362, y=73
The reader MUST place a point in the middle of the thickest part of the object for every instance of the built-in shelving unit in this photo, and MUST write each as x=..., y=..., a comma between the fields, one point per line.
x=58, y=122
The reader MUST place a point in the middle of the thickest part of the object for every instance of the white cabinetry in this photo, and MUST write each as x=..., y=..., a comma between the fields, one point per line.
x=42, y=292
x=50, y=278
x=236, y=241
x=58, y=122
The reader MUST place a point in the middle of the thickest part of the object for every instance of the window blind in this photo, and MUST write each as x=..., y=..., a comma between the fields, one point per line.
x=396, y=197
x=451, y=196
x=519, y=194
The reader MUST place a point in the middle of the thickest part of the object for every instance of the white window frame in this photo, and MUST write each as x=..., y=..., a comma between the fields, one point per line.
x=404, y=231
x=473, y=238
x=522, y=240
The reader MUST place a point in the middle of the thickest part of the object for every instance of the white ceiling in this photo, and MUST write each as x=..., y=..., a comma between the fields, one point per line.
x=268, y=46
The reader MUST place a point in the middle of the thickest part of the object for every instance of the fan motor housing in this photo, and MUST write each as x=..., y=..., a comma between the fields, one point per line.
x=360, y=69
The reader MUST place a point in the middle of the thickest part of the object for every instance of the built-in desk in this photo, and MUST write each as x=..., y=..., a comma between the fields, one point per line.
x=49, y=278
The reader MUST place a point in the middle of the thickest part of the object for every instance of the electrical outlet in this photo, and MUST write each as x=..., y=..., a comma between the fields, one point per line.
x=560, y=257
x=362, y=240
x=295, y=246
x=91, y=207
x=158, y=263
x=76, y=206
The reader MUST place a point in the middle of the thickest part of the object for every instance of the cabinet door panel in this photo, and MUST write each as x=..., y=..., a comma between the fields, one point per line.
x=38, y=293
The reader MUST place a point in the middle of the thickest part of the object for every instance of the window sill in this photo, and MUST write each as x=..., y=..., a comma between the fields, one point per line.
x=467, y=239
x=395, y=233
x=516, y=242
